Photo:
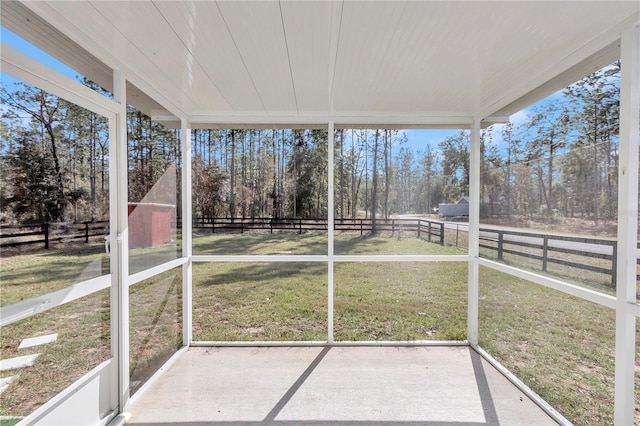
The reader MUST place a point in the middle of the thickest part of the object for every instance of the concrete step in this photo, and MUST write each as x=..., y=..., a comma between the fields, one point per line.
x=4, y=383
x=39, y=340
x=18, y=362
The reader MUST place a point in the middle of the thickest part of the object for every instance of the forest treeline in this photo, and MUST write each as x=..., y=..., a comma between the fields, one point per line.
x=561, y=160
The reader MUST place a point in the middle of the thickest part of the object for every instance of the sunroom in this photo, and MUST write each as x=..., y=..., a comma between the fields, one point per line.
x=235, y=212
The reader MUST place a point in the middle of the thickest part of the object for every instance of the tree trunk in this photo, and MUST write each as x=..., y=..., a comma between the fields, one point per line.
x=354, y=177
x=275, y=176
x=341, y=173
x=550, y=179
x=366, y=177
x=283, y=194
x=294, y=154
x=62, y=202
x=387, y=142
x=232, y=178
x=596, y=168
x=92, y=167
x=252, y=181
x=244, y=175
x=374, y=190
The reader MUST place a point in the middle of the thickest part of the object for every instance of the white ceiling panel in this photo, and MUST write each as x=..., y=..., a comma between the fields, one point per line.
x=312, y=51
x=538, y=37
x=153, y=48
x=202, y=30
x=365, y=33
x=309, y=61
x=258, y=33
x=420, y=67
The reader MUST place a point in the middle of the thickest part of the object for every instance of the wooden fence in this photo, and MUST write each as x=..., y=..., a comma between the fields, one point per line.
x=545, y=247
x=242, y=225
x=574, y=251
x=432, y=231
x=47, y=233
x=429, y=230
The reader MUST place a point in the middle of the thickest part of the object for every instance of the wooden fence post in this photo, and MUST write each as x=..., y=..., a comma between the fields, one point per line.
x=429, y=231
x=419, y=225
x=86, y=232
x=545, y=249
x=45, y=231
x=361, y=230
x=500, y=244
x=614, y=266
x=442, y=233
x=213, y=225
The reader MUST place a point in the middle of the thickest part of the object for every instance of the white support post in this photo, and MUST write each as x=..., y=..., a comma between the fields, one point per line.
x=627, y=226
x=330, y=221
x=121, y=243
x=114, y=267
x=474, y=225
x=187, y=249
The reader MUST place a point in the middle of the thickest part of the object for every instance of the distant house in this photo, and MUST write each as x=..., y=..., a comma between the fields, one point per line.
x=461, y=208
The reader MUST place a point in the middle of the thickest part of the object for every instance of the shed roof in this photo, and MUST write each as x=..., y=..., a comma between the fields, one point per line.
x=393, y=63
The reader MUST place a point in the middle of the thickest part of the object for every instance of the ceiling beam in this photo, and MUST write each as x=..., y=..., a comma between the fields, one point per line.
x=321, y=121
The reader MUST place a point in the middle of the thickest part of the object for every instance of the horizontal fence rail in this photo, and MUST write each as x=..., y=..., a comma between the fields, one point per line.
x=429, y=230
x=545, y=247
x=44, y=234
x=225, y=224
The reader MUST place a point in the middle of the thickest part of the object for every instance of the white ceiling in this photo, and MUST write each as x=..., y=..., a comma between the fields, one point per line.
x=414, y=63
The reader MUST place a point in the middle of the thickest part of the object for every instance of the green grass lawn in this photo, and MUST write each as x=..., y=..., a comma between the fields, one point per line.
x=83, y=328
x=34, y=273
x=349, y=244
x=155, y=324
x=260, y=243
x=560, y=346
x=288, y=301
x=400, y=301
x=315, y=244
x=259, y=301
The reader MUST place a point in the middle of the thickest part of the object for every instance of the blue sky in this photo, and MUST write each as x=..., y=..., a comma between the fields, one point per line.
x=418, y=139
x=18, y=43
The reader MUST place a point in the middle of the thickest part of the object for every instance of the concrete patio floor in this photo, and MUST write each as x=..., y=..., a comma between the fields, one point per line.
x=334, y=385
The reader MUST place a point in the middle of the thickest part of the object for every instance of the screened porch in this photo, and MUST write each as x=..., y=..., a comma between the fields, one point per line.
x=331, y=212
